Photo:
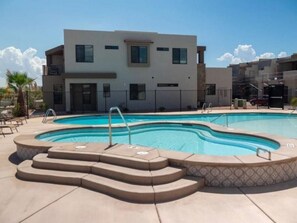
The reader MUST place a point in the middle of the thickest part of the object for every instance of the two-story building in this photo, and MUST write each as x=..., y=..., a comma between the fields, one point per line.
x=139, y=71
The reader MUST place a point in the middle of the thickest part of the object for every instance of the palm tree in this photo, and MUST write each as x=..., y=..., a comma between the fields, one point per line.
x=18, y=81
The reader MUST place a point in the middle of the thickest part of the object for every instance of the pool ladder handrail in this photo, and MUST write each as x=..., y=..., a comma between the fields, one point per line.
x=110, y=126
x=227, y=121
x=293, y=111
x=47, y=114
x=264, y=150
x=208, y=109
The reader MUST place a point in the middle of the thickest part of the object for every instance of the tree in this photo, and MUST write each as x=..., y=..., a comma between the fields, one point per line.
x=19, y=81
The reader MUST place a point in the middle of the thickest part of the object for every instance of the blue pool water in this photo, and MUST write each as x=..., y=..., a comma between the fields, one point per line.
x=196, y=139
x=277, y=124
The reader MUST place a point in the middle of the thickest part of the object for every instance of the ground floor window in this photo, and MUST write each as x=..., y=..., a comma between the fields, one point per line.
x=210, y=89
x=137, y=92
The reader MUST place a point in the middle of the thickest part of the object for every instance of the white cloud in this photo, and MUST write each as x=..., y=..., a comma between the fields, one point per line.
x=14, y=59
x=265, y=56
x=246, y=53
x=282, y=54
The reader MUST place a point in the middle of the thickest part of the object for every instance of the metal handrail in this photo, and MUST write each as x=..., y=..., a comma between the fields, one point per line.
x=110, y=126
x=293, y=111
x=209, y=108
x=203, y=107
x=264, y=150
x=47, y=113
x=216, y=118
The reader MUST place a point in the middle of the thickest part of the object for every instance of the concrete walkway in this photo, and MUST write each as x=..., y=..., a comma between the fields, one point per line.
x=22, y=201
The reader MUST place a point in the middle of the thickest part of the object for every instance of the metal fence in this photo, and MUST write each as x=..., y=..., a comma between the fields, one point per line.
x=146, y=101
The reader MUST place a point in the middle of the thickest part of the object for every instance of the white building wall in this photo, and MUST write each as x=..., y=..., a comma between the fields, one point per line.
x=222, y=78
x=161, y=69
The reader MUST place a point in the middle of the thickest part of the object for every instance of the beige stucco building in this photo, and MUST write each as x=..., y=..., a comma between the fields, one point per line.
x=140, y=71
x=218, y=85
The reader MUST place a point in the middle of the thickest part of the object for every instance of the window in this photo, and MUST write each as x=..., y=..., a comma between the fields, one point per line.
x=210, y=89
x=162, y=49
x=86, y=91
x=106, y=90
x=84, y=53
x=137, y=91
x=58, y=94
x=167, y=85
x=179, y=56
x=109, y=47
x=139, y=54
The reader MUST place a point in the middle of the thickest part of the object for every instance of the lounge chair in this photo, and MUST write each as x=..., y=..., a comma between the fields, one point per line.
x=11, y=127
x=6, y=116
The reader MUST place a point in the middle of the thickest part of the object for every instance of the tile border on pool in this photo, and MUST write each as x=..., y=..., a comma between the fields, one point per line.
x=218, y=171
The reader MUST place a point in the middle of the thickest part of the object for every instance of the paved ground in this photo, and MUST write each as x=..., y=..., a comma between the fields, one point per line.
x=22, y=201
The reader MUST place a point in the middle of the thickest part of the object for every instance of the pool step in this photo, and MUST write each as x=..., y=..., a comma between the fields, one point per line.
x=126, y=191
x=126, y=161
x=25, y=171
x=126, y=174
x=140, y=193
x=42, y=161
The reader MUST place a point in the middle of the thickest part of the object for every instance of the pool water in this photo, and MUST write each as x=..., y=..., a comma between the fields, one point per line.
x=196, y=139
x=272, y=123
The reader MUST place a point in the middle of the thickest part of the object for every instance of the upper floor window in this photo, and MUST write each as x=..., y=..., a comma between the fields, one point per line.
x=139, y=54
x=84, y=53
x=179, y=56
x=111, y=47
x=162, y=49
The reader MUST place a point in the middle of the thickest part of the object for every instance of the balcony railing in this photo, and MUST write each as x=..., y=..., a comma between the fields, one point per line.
x=54, y=70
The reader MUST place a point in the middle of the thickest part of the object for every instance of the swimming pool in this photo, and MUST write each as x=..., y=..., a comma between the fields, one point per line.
x=197, y=139
x=272, y=123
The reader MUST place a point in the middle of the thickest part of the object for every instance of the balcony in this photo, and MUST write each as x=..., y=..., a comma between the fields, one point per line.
x=53, y=70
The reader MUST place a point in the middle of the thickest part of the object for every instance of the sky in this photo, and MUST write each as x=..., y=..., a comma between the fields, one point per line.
x=233, y=31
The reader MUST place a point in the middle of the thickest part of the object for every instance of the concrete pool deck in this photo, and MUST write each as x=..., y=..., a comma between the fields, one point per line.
x=23, y=201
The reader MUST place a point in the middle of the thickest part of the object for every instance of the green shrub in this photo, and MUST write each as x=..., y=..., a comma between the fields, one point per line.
x=293, y=102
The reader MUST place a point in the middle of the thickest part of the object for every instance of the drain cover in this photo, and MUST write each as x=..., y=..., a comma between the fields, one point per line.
x=142, y=153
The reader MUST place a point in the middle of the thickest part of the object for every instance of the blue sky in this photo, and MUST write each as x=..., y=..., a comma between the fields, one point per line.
x=232, y=30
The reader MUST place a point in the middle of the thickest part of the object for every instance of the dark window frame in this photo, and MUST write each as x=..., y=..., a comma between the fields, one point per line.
x=162, y=48
x=210, y=89
x=111, y=47
x=86, y=94
x=136, y=91
x=139, y=54
x=81, y=53
x=179, y=56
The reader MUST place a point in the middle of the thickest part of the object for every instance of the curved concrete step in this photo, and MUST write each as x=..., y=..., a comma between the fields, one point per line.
x=124, y=191
x=25, y=171
x=42, y=161
x=141, y=193
x=73, y=155
x=177, y=189
x=136, y=163
x=136, y=176
x=126, y=161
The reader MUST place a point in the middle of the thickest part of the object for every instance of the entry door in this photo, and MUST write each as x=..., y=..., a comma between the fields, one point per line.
x=83, y=97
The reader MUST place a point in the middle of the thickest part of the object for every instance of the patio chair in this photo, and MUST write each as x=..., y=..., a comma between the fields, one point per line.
x=11, y=127
x=6, y=116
